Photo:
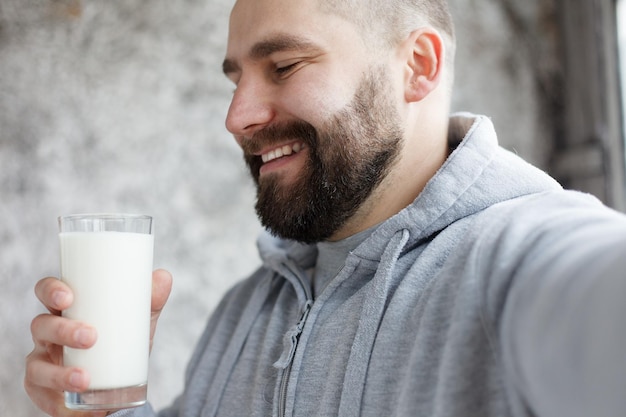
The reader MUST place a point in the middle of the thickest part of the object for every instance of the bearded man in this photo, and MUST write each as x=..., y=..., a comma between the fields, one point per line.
x=411, y=266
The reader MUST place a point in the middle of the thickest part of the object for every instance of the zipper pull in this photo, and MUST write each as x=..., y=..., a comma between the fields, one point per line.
x=290, y=340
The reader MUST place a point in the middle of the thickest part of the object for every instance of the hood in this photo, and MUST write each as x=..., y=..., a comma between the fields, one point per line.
x=477, y=174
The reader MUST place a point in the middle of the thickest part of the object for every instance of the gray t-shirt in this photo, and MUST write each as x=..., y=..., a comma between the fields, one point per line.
x=332, y=257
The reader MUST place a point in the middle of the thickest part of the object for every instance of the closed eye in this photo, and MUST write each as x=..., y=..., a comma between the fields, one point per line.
x=286, y=69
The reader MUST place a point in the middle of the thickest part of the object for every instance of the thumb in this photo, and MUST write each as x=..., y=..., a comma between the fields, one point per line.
x=161, y=288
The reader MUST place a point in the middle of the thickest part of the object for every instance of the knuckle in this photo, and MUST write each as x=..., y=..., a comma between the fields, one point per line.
x=36, y=325
x=63, y=331
x=42, y=286
x=45, y=290
x=30, y=376
x=48, y=329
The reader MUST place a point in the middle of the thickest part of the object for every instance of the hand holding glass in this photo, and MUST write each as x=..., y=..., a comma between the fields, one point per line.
x=106, y=259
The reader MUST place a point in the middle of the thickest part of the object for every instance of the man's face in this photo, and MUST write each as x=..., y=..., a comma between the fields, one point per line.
x=346, y=159
x=314, y=118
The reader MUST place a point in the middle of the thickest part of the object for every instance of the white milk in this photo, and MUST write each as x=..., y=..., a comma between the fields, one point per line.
x=111, y=276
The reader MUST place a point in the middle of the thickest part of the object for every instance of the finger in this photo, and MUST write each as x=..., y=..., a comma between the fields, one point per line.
x=161, y=288
x=52, y=403
x=49, y=329
x=54, y=294
x=49, y=401
x=42, y=374
x=45, y=383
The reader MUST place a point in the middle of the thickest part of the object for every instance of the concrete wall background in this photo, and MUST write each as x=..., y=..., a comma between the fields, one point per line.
x=119, y=106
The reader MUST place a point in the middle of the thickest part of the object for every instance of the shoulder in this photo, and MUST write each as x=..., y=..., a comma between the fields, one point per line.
x=566, y=213
x=538, y=238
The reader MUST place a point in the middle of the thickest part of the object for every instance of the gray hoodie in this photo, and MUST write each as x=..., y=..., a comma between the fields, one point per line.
x=495, y=293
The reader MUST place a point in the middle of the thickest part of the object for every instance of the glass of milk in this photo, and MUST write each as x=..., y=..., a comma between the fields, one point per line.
x=106, y=259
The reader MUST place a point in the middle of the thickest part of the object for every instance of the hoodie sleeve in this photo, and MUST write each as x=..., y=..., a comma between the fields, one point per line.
x=563, y=331
x=143, y=411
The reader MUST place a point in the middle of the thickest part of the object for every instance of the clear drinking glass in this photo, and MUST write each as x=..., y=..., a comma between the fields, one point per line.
x=106, y=259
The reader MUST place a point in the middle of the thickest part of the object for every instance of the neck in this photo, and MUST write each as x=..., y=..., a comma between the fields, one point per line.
x=421, y=156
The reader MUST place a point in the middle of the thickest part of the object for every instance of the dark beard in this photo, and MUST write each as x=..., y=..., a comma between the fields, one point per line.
x=348, y=158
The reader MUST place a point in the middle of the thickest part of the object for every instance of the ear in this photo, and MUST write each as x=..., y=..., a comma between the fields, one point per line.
x=424, y=65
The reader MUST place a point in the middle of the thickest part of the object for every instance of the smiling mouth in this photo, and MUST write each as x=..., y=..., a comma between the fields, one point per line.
x=284, y=150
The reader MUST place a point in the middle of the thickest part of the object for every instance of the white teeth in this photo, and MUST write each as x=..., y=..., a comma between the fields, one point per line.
x=285, y=150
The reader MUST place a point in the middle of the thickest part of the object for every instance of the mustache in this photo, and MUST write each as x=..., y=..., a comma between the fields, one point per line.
x=278, y=134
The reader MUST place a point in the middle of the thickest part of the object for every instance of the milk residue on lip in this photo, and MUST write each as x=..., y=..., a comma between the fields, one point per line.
x=111, y=276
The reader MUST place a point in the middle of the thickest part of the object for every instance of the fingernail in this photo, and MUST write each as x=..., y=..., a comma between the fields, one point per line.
x=58, y=297
x=84, y=336
x=76, y=380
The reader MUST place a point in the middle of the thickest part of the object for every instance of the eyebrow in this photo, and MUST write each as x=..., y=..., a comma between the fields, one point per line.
x=265, y=48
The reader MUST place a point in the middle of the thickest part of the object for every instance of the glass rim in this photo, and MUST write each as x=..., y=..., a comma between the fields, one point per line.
x=104, y=216
x=106, y=222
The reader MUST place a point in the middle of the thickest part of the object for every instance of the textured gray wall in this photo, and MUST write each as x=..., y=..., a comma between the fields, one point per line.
x=119, y=106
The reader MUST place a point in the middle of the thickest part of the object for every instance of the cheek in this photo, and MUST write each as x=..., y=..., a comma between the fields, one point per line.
x=316, y=99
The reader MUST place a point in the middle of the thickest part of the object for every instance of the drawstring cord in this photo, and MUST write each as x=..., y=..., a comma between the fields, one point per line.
x=371, y=316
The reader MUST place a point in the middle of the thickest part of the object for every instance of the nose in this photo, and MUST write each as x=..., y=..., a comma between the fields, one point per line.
x=250, y=109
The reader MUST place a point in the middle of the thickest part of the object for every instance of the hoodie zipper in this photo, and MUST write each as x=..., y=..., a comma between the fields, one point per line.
x=284, y=382
x=282, y=400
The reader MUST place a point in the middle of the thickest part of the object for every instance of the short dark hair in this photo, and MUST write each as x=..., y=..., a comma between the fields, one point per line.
x=392, y=20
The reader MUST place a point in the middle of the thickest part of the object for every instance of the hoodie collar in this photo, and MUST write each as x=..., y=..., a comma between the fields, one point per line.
x=477, y=174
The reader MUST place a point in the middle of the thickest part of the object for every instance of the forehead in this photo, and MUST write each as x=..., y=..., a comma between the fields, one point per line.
x=254, y=13
x=255, y=21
